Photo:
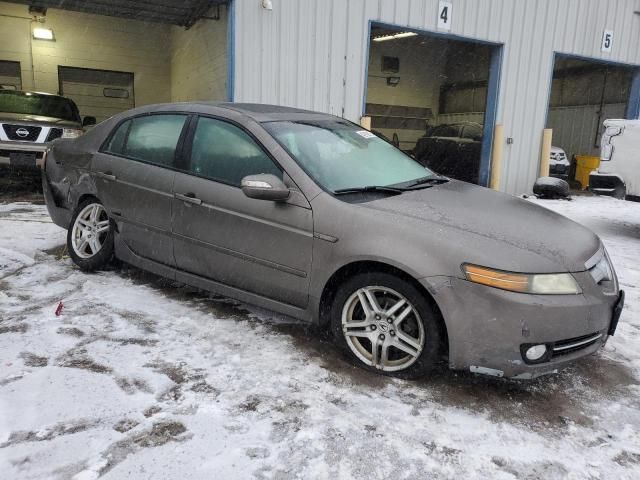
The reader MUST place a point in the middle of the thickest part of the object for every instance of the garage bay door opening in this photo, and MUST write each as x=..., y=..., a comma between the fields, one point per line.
x=583, y=94
x=435, y=98
x=109, y=57
x=97, y=93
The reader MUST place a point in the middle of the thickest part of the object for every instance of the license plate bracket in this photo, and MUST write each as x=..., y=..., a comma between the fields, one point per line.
x=22, y=159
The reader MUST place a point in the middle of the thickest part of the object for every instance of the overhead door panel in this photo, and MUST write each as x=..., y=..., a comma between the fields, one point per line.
x=10, y=75
x=98, y=93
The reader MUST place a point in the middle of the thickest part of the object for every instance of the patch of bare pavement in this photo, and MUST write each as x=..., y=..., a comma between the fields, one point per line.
x=140, y=377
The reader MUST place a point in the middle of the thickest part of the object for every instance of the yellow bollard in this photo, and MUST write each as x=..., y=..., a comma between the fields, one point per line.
x=496, y=157
x=547, y=135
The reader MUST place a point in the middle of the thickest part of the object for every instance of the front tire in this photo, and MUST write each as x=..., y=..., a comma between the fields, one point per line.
x=386, y=325
x=90, y=236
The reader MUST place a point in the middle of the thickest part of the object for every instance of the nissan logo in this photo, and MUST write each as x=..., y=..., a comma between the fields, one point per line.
x=22, y=132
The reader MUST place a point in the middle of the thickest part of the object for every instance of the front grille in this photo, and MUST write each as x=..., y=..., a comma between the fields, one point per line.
x=22, y=133
x=565, y=347
x=557, y=168
x=53, y=134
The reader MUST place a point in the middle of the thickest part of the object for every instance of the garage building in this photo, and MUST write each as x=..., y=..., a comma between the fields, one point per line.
x=433, y=76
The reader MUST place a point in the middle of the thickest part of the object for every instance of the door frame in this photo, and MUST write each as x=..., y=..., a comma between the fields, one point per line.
x=493, y=86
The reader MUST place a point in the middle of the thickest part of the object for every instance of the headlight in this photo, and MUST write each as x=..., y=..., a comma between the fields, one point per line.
x=71, y=133
x=539, y=283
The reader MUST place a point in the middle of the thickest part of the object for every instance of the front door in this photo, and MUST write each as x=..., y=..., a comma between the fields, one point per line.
x=259, y=246
x=134, y=175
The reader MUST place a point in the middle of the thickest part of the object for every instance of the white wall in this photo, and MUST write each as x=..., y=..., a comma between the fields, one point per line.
x=422, y=62
x=312, y=54
x=199, y=60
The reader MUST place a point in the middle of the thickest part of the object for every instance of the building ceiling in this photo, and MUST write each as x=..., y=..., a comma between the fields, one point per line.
x=183, y=13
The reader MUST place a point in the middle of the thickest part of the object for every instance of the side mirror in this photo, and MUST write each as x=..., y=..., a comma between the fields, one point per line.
x=265, y=187
x=88, y=121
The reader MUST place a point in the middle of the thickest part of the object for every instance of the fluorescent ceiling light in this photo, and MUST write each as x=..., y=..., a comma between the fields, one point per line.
x=40, y=33
x=394, y=36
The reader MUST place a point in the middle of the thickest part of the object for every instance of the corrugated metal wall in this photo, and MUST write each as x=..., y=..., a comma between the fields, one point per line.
x=312, y=54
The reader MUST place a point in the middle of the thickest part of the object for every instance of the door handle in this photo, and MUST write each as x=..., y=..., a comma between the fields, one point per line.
x=188, y=197
x=106, y=176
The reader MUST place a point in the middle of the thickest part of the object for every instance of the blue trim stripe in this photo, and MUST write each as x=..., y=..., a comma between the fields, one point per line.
x=633, y=107
x=231, y=50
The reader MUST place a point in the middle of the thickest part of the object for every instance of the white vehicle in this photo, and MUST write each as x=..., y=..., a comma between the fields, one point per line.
x=619, y=172
x=558, y=163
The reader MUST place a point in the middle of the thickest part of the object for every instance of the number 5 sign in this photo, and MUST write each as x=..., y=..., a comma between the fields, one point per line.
x=444, y=15
x=607, y=40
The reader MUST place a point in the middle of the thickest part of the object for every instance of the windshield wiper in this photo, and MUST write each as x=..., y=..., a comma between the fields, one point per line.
x=425, y=182
x=370, y=188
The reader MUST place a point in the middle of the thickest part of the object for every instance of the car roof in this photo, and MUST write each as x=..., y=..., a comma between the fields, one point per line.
x=258, y=112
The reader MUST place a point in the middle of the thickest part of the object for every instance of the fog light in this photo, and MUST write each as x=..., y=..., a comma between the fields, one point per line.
x=536, y=352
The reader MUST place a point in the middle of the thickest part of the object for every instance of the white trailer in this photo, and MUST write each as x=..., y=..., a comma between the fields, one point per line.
x=619, y=172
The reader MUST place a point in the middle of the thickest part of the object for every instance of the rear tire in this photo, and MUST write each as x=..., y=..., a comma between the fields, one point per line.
x=90, y=236
x=386, y=325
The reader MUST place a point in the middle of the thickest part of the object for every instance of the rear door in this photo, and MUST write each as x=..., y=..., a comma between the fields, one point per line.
x=134, y=175
x=258, y=246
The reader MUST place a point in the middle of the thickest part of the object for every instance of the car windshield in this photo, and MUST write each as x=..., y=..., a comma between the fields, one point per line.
x=340, y=155
x=29, y=103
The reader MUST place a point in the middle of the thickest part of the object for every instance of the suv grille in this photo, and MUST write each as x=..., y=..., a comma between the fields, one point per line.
x=22, y=133
x=53, y=134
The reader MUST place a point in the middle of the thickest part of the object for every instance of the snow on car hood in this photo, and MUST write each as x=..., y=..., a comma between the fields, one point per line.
x=495, y=229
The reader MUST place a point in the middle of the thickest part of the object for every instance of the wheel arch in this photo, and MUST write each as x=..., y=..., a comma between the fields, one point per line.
x=364, y=266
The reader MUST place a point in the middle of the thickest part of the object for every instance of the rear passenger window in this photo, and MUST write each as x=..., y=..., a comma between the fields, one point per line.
x=116, y=144
x=226, y=153
x=152, y=138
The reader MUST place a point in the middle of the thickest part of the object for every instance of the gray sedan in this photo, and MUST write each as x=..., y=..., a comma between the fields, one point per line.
x=311, y=216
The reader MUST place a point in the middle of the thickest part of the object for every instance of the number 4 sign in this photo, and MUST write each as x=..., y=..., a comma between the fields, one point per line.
x=444, y=15
x=607, y=40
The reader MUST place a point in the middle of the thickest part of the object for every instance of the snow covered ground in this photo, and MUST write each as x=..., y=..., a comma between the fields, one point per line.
x=139, y=378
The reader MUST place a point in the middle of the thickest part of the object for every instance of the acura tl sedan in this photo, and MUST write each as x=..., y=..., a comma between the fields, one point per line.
x=311, y=216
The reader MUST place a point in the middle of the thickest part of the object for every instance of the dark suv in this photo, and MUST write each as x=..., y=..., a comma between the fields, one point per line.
x=452, y=150
x=30, y=120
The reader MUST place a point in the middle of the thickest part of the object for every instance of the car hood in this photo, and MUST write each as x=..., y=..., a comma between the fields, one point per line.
x=37, y=119
x=494, y=229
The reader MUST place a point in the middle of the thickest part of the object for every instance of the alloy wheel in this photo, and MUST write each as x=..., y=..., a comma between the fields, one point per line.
x=382, y=328
x=90, y=230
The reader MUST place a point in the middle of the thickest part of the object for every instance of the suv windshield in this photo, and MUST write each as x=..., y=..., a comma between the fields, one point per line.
x=29, y=103
x=340, y=155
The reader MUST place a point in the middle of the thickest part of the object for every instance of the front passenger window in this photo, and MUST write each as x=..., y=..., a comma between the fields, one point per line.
x=221, y=151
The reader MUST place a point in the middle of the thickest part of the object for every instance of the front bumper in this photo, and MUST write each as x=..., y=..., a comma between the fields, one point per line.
x=488, y=327
x=11, y=152
x=559, y=170
x=607, y=184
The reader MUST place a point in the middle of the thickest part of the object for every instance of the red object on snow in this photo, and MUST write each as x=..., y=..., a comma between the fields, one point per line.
x=59, y=309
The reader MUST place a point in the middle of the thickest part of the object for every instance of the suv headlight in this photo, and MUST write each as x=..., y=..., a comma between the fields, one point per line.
x=71, y=133
x=536, y=283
